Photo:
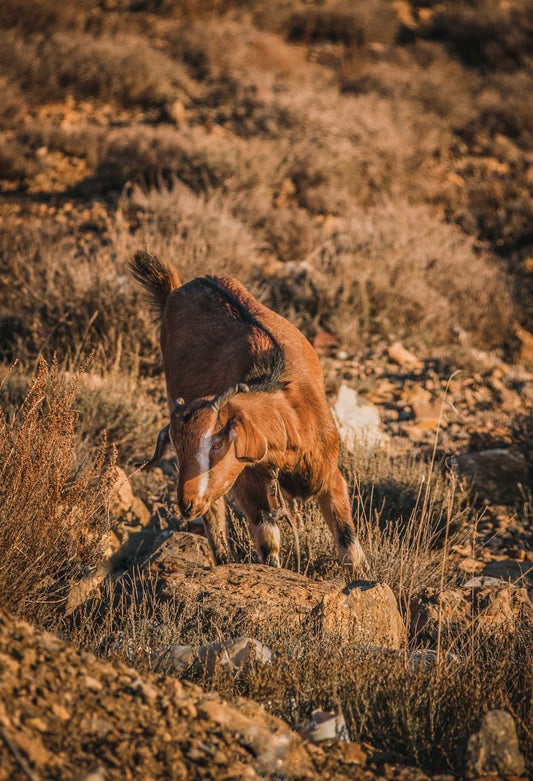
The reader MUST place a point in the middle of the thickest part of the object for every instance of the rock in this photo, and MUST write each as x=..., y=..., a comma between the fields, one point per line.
x=233, y=654
x=494, y=750
x=123, y=725
x=123, y=504
x=247, y=597
x=173, y=660
x=121, y=494
x=177, y=113
x=403, y=357
x=363, y=612
x=358, y=421
x=325, y=726
x=428, y=411
x=493, y=474
x=181, y=551
x=136, y=548
x=140, y=512
x=81, y=590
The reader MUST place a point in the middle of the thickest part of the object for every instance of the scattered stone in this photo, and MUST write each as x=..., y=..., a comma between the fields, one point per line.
x=358, y=421
x=181, y=551
x=403, y=357
x=494, y=750
x=325, y=725
x=177, y=113
x=173, y=660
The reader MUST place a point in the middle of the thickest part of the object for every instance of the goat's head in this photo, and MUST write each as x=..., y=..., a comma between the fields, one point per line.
x=214, y=440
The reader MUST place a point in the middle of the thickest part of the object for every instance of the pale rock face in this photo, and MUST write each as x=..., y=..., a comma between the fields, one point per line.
x=358, y=421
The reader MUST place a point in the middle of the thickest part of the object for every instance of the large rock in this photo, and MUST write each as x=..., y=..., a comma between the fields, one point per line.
x=494, y=749
x=244, y=598
x=365, y=611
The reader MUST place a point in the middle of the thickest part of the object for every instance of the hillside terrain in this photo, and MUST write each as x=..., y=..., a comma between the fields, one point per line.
x=365, y=168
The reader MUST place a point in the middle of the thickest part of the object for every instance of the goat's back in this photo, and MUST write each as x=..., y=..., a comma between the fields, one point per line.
x=214, y=330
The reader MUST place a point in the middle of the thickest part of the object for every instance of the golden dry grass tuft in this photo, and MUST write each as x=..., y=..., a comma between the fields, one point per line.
x=52, y=515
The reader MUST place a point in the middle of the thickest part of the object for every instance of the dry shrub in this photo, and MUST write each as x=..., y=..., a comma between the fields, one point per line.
x=423, y=75
x=15, y=161
x=126, y=408
x=360, y=150
x=198, y=233
x=69, y=299
x=34, y=16
x=159, y=155
x=351, y=22
x=397, y=270
x=51, y=519
x=87, y=141
x=124, y=68
x=484, y=34
x=290, y=232
x=13, y=103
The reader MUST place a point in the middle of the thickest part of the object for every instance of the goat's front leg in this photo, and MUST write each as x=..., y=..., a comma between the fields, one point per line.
x=334, y=503
x=216, y=529
x=251, y=492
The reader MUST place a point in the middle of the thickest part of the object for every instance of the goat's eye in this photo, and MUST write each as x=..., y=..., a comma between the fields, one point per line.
x=217, y=442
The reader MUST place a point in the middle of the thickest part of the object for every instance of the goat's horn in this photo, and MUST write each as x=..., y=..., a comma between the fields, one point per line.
x=223, y=398
x=180, y=403
x=163, y=439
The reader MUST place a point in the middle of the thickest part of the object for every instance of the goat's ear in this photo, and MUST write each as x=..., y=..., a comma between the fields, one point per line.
x=250, y=444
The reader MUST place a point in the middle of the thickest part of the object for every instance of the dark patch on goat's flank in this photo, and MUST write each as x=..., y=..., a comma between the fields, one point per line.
x=265, y=373
x=299, y=484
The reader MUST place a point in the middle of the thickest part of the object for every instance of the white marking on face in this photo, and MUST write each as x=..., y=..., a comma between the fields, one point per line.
x=203, y=462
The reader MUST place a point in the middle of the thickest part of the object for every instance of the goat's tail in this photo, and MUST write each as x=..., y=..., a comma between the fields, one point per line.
x=157, y=279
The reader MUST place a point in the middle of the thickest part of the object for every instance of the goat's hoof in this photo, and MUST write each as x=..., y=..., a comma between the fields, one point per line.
x=273, y=560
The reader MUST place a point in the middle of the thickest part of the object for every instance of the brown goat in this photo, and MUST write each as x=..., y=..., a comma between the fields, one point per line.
x=247, y=407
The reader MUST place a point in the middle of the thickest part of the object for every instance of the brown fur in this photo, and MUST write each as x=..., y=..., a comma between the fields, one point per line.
x=214, y=334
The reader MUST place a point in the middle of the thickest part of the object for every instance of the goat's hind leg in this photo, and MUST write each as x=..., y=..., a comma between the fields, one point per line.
x=336, y=508
x=216, y=529
x=251, y=494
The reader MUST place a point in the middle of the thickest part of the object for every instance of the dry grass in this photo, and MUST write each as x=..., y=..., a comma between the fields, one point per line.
x=52, y=518
x=122, y=68
x=397, y=270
